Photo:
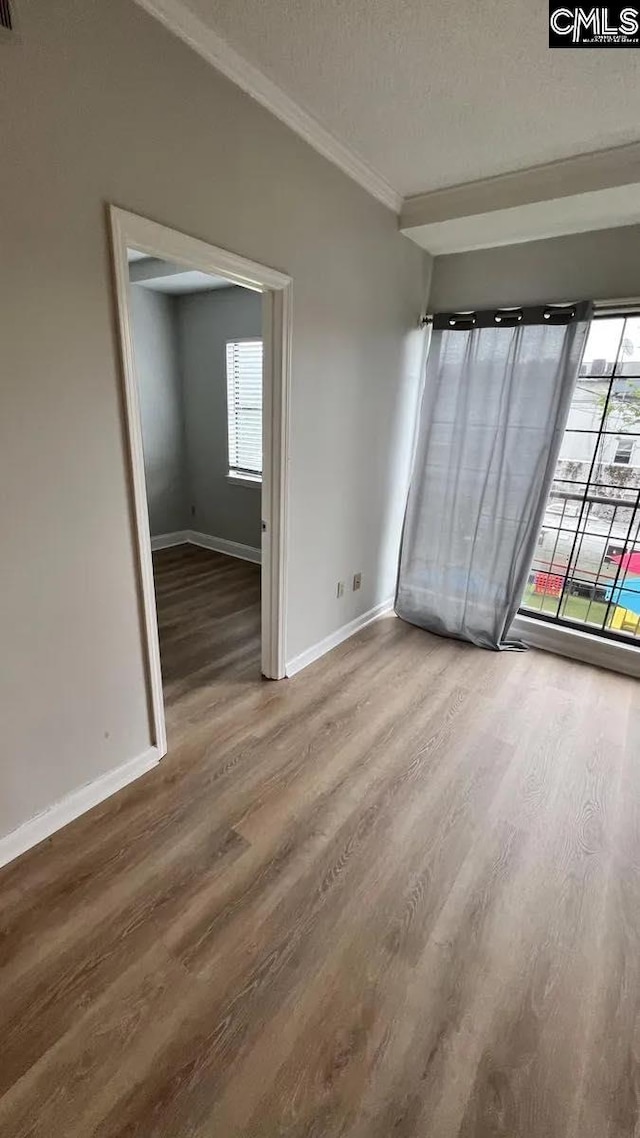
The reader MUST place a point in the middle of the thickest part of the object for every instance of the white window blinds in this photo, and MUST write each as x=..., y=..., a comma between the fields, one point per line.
x=244, y=408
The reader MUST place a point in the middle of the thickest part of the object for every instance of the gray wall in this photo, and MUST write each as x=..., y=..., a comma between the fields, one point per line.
x=94, y=119
x=155, y=329
x=206, y=321
x=180, y=345
x=604, y=265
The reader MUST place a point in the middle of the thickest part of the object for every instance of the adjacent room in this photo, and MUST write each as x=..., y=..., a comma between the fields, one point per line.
x=320, y=606
x=198, y=369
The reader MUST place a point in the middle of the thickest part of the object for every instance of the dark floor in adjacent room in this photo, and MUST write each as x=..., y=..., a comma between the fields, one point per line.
x=398, y=895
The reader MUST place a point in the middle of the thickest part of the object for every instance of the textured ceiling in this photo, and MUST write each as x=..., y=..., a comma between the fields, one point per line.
x=434, y=94
x=185, y=282
x=165, y=276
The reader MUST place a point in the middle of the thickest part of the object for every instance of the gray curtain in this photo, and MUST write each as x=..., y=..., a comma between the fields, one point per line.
x=494, y=407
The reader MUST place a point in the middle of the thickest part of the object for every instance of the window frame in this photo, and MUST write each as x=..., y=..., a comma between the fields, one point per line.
x=234, y=476
x=543, y=623
x=626, y=445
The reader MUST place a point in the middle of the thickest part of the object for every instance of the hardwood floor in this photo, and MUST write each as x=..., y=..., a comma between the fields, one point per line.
x=209, y=621
x=398, y=895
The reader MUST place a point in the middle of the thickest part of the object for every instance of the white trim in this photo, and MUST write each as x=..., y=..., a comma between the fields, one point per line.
x=167, y=540
x=245, y=480
x=630, y=306
x=337, y=637
x=151, y=645
x=206, y=541
x=158, y=241
x=578, y=645
x=566, y=177
x=130, y=230
x=277, y=329
x=30, y=833
x=176, y=16
x=221, y=545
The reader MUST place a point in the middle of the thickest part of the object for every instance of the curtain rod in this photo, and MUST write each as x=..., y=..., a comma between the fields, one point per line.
x=510, y=317
x=629, y=306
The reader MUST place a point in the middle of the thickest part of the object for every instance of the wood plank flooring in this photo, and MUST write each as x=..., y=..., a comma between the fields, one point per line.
x=397, y=896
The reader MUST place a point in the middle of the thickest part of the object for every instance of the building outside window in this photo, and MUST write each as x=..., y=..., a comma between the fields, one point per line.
x=586, y=569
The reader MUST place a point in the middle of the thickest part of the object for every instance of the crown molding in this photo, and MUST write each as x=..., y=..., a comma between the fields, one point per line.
x=193, y=31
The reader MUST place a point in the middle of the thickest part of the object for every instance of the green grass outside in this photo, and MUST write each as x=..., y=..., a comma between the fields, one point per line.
x=573, y=608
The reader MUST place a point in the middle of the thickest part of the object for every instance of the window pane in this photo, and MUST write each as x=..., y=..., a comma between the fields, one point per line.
x=606, y=518
x=564, y=504
x=586, y=597
x=629, y=362
x=618, y=461
x=542, y=594
x=601, y=350
x=576, y=454
x=244, y=406
x=546, y=579
x=624, y=614
x=614, y=492
x=588, y=403
x=623, y=411
x=586, y=566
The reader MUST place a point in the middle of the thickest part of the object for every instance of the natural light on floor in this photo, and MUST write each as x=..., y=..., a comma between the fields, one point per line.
x=586, y=570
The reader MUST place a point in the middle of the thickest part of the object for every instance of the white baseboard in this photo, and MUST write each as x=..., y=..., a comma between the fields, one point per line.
x=217, y=544
x=337, y=637
x=221, y=545
x=166, y=540
x=577, y=645
x=30, y=833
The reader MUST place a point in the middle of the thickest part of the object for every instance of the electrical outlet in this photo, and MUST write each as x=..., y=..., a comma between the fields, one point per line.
x=357, y=581
x=340, y=590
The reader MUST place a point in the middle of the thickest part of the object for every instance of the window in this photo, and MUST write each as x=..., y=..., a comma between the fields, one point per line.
x=586, y=567
x=244, y=409
x=624, y=450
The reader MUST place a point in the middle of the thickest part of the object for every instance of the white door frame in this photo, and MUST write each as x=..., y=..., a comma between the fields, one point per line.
x=128, y=230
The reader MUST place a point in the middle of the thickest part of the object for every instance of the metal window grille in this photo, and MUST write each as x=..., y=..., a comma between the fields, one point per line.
x=586, y=569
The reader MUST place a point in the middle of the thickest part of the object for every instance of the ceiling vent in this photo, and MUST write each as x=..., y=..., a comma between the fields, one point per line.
x=6, y=17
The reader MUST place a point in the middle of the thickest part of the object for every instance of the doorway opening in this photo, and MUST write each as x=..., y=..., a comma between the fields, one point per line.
x=205, y=344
